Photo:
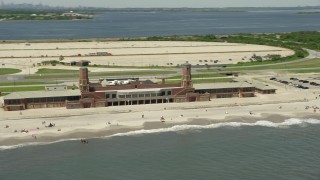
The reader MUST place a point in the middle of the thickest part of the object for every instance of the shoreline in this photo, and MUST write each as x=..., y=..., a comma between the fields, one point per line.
x=156, y=127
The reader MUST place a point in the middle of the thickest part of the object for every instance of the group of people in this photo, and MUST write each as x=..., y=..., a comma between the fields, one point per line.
x=84, y=141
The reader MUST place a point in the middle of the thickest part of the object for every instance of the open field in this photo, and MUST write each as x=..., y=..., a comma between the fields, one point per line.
x=26, y=88
x=312, y=63
x=25, y=83
x=133, y=53
x=103, y=74
x=4, y=71
x=55, y=71
x=18, y=89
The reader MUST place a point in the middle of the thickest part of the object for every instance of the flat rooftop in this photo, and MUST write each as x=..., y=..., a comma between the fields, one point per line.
x=222, y=85
x=140, y=90
x=41, y=94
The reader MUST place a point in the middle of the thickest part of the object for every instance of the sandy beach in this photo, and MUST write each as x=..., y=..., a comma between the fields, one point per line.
x=100, y=122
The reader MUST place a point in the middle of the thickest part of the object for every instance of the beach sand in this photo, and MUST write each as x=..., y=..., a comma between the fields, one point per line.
x=100, y=122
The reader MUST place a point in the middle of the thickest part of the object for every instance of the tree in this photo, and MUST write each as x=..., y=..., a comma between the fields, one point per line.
x=258, y=58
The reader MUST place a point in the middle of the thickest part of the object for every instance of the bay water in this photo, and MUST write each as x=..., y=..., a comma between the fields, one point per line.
x=161, y=23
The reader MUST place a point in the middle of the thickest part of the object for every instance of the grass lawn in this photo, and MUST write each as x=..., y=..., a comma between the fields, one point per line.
x=25, y=83
x=303, y=64
x=19, y=89
x=27, y=88
x=305, y=71
x=55, y=71
x=4, y=71
x=199, y=76
x=131, y=67
x=104, y=74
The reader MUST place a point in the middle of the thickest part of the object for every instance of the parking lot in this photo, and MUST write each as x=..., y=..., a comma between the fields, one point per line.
x=302, y=83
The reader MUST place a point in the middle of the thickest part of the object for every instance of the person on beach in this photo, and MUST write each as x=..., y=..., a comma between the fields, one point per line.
x=84, y=141
x=162, y=119
x=142, y=116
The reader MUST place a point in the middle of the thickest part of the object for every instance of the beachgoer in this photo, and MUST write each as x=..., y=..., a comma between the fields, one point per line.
x=142, y=116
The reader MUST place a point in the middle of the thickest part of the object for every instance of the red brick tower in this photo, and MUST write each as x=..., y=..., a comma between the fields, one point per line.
x=186, y=75
x=84, y=80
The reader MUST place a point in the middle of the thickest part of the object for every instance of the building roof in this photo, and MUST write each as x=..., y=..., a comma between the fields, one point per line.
x=222, y=85
x=263, y=86
x=41, y=94
x=127, y=91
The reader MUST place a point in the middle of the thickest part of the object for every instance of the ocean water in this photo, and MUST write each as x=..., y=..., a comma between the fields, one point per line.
x=262, y=150
x=143, y=24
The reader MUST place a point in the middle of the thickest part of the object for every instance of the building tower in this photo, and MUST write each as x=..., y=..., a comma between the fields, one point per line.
x=84, y=80
x=186, y=75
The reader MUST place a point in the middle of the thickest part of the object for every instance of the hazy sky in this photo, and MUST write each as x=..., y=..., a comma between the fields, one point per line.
x=173, y=3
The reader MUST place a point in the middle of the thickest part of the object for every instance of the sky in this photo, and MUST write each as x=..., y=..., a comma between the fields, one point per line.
x=172, y=3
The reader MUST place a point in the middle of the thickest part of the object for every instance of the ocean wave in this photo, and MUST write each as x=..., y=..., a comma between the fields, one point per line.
x=264, y=123
x=36, y=144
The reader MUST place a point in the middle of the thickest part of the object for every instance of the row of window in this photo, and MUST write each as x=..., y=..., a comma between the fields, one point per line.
x=227, y=90
x=163, y=93
x=43, y=100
